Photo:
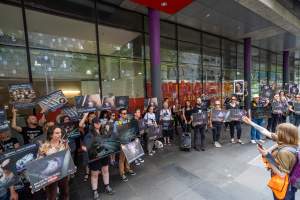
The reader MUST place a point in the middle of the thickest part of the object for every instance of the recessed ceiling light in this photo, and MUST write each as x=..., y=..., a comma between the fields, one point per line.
x=113, y=79
x=88, y=72
x=140, y=73
x=164, y=4
x=207, y=15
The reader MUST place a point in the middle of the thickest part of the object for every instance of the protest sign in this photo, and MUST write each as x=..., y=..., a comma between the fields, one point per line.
x=218, y=115
x=53, y=101
x=199, y=118
x=22, y=95
x=88, y=103
x=122, y=102
x=133, y=150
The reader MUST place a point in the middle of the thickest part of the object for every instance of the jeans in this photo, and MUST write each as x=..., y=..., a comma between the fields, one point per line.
x=235, y=125
x=255, y=134
x=296, y=120
x=199, y=136
x=216, y=130
x=290, y=194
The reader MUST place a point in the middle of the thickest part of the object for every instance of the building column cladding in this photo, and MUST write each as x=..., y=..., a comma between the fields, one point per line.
x=285, y=68
x=247, y=71
x=154, y=44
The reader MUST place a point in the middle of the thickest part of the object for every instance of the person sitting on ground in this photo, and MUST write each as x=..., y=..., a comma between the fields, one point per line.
x=33, y=128
x=284, y=153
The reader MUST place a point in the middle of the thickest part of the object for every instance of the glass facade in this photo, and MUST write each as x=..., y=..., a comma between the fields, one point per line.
x=67, y=50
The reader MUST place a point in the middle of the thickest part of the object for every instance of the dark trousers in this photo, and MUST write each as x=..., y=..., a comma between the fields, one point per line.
x=63, y=185
x=187, y=128
x=290, y=194
x=270, y=122
x=235, y=125
x=296, y=120
x=216, y=130
x=276, y=120
x=199, y=136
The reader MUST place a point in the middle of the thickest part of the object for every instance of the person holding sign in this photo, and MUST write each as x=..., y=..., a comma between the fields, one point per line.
x=282, y=159
x=234, y=124
x=278, y=109
x=166, y=120
x=199, y=119
x=216, y=121
x=257, y=113
x=54, y=144
x=98, y=165
x=7, y=142
x=123, y=164
x=150, y=120
x=187, y=112
x=33, y=128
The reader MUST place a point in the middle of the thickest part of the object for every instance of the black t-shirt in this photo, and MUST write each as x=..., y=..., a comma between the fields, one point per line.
x=8, y=144
x=30, y=133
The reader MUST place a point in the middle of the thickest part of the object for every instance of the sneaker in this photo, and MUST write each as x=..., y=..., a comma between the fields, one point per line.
x=131, y=172
x=240, y=141
x=137, y=163
x=153, y=152
x=232, y=141
x=141, y=160
x=218, y=145
x=124, y=178
x=262, y=141
x=150, y=154
x=109, y=190
x=96, y=195
x=253, y=142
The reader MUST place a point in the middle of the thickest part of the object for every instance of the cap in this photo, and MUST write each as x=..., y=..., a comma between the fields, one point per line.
x=255, y=96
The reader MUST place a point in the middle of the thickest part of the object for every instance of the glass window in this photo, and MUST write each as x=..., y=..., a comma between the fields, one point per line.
x=189, y=53
x=210, y=41
x=119, y=42
x=13, y=60
x=62, y=55
x=190, y=35
x=166, y=29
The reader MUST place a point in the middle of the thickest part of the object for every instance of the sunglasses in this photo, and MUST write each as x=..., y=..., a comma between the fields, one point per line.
x=124, y=113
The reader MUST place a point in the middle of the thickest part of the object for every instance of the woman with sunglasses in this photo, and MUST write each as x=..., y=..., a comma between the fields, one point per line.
x=235, y=124
x=54, y=144
x=279, y=107
x=99, y=165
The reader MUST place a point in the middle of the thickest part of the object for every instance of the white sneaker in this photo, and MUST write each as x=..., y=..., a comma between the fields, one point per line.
x=253, y=142
x=218, y=145
x=240, y=141
x=262, y=141
x=232, y=141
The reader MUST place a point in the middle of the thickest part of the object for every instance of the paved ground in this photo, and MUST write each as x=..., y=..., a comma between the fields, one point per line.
x=233, y=172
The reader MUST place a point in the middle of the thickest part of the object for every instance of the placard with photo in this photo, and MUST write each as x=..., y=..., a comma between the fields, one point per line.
x=151, y=101
x=47, y=170
x=154, y=132
x=293, y=89
x=239, y=86
x=133, y=150
x=279, y=107
x=103, y=147
x=71, y=130
x=71, y=112
x=199, y=118
x=218, y=115
x=122, y=102
x=4, y=123
x=266, y=91
x=22, y=96
x=236, y=114
x=88, y=103
x=53, y=101
x=297, y=108
x=12, y=163
x=109, y=103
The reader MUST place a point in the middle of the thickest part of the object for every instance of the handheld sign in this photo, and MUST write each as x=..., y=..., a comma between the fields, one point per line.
x=199, y=118
x=4, y=123
x=71, y=112
x=53, y=101
x=22, y=95
x=121, y=102
x=88, y=103
x=297, y=108
x=218, y=115
x=133, y=150
x=236, y=114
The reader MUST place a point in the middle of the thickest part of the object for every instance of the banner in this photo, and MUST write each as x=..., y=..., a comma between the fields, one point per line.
x=71, y=112
x=199, y=118
x=13, y=163
x=218, y=115
x=4, y=123
x=133, y=150
x=235, y=115
x=47, y=170
x=22, y=95
x=238, y=87
x=122, y=102
x=53, y=101
x=88, y=103
x=108, y=103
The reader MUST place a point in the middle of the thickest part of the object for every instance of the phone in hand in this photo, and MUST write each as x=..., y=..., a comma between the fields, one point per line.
x=260, y=144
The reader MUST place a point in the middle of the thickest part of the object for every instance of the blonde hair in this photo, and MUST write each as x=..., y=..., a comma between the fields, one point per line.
x=287, y=134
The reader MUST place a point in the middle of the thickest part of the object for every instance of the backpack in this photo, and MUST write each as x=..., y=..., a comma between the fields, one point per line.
x=295, y=173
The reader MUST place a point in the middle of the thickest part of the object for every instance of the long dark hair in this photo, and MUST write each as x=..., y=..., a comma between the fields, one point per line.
x=50, y=132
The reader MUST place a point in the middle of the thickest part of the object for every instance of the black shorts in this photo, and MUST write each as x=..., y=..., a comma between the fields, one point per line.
x=98, y=164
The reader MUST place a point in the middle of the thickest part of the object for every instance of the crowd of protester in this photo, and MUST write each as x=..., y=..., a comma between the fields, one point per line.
x=173, y=119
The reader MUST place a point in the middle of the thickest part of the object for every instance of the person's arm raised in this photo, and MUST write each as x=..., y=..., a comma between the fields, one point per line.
x=262, y=130
x=14, y=121
x=82, y=121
